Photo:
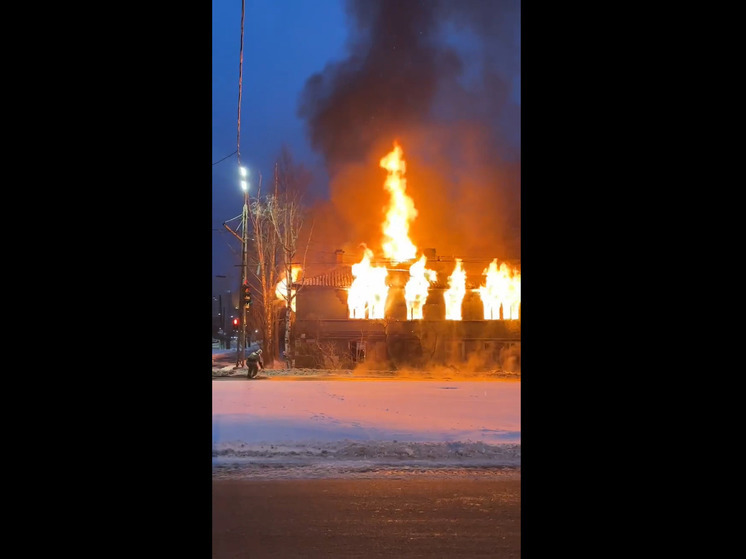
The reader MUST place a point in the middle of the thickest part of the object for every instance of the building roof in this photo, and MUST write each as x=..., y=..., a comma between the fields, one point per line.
x=341, y=277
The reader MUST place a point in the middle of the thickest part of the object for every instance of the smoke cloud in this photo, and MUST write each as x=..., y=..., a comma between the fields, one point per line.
x=441, y=78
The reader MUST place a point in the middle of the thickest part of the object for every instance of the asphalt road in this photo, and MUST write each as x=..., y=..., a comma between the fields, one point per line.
x=407, y=517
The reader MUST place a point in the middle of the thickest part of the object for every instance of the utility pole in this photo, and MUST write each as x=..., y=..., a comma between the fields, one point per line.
x=244, y=296
x=240, y=351
x=243, y=303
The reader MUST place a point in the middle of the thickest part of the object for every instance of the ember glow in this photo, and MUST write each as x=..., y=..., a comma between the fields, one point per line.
x=368, y=290
x=415, y=292
x=454, y=296
x=502, y=288
x=396, y=245
x=281, y=291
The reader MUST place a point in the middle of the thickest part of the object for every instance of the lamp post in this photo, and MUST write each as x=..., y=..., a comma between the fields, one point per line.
x=241, y=350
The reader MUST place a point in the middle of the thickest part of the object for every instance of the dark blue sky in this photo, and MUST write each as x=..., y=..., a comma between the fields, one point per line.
x=442, y=76
x=285, y=41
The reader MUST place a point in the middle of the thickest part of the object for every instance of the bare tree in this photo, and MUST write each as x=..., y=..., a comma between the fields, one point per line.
x=331, y=357
x=266, y=250
x=287, y=217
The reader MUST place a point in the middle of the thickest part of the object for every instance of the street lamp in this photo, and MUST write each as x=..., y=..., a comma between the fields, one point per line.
x=240, y=352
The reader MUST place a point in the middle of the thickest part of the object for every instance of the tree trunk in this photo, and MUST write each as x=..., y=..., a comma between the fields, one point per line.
x=268, y=347
x=289, y=353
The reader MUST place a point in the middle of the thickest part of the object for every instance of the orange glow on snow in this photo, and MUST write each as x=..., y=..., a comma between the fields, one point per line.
x=415, y=292
x=396, y=245
x=503, y=287
x=281, y=289
x=454, y=296
x=368, y=291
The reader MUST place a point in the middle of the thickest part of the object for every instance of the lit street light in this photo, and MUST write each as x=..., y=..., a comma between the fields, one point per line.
x=244, y=183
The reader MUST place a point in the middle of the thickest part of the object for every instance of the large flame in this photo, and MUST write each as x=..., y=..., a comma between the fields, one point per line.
x=415, y=292
x=502, y=289
x=401, y=210
x=281, y=291
x=454, y=295
x=368, y=289
x=500, y=294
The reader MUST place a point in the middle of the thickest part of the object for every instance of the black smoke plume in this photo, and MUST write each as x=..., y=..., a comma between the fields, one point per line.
x=440, y=77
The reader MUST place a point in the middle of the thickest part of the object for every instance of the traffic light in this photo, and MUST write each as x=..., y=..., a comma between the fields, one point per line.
x=246, y=294
x=236, y=323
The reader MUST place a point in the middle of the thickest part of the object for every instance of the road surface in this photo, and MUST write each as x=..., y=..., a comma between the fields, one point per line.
x=399, y=518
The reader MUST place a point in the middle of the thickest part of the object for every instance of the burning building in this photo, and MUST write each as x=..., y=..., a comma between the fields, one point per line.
x=444, y=79
x=407, y=307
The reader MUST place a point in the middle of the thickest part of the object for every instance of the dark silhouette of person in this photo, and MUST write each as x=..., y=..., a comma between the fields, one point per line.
x=254, y=362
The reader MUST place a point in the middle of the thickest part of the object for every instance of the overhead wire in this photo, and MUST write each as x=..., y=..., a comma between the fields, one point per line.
x=226, y=157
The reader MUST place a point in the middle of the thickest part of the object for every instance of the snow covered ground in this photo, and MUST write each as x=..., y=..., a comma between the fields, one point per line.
x=291, y=427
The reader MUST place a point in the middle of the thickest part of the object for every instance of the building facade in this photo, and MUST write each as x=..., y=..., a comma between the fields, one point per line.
x=324, y=336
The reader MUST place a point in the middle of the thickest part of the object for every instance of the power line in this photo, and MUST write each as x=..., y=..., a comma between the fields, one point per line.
x=226, y=157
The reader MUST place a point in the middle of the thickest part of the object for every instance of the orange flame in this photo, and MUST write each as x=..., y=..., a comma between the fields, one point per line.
x=501, y=294
x=401, y=210
x=368, y=290
x=281, y=291
x=415, y=292
x=454, y=295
